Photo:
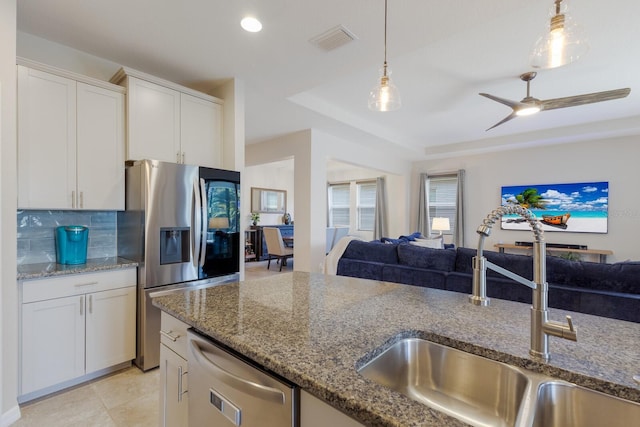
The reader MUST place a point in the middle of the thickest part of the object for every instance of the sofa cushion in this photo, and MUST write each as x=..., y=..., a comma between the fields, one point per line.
x=522, y=265
x=358, y=268
x=500, y=288
x=414, y=276
x=620, y=277
x=371, y=251
x=437, y=243
x=428, y=258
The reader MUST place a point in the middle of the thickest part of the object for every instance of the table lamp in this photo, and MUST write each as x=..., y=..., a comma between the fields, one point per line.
x=218, y=222
x=440, y=224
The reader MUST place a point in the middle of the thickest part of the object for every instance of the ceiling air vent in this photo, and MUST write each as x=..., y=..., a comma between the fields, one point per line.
x=333, y=38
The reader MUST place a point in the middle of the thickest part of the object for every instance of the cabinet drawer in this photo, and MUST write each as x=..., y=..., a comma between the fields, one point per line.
x=76, y=284
x=173, y=334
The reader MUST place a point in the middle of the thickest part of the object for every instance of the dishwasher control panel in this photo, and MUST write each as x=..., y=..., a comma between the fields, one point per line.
x=227, y=408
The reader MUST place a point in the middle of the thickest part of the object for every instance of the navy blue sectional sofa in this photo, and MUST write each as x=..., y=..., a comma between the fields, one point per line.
x=608, y=290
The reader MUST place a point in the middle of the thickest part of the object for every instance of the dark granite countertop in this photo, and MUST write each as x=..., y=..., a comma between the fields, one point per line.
x=48, y=269
x=315, y=329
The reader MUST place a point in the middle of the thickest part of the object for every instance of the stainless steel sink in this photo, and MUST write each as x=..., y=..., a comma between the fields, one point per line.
x=471, y=388
x=483, y=392
x=568, y=405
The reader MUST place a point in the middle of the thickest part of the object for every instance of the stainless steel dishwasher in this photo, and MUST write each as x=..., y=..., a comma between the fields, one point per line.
x=226, y=390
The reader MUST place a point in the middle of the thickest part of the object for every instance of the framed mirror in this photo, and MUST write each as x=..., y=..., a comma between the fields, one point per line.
x=268, y=200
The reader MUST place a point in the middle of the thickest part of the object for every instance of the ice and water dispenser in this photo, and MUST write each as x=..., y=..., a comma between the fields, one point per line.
x=71, y=244
x=174, y=245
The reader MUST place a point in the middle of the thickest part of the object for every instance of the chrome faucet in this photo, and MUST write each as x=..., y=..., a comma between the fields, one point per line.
x=541, y=326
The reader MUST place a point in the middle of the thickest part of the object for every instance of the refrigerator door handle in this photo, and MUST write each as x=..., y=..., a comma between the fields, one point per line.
x=197, y=224
x=205, y=220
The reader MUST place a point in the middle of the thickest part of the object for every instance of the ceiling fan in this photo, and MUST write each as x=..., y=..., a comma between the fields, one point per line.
x=530, y=105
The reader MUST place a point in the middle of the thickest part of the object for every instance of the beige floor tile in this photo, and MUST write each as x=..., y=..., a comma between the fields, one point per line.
x=78, y=407
x=126, y=386
x=132, y=395
x=256, y=270
x=140, y=412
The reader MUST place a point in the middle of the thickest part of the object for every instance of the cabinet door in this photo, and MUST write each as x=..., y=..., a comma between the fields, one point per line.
x=316, y=413
x=111, y=328
x=100, y=142
x=154, y=121
x=46, y=140
x=201, y=131
x=52, y=342
x=173, y=389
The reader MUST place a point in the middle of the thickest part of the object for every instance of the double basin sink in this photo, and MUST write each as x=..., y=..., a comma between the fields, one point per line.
x=484, y=392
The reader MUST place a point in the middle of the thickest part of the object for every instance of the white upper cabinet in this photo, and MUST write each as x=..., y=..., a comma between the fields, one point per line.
x=70, y=142
x=154, y=121
x=46, y=140
x=100, y=148
x=169, y=122
x=200, y=131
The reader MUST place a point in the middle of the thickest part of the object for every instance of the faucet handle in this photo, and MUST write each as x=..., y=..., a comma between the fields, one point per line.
x=570, y=322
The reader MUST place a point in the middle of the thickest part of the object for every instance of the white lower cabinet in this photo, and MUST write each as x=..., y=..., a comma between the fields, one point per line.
x=110, y=328
x=174, y=403
x=75, y=325
x=316, y=413
x=52, y=342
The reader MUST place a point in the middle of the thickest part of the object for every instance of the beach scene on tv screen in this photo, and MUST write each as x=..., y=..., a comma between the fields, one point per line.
x=578, y=207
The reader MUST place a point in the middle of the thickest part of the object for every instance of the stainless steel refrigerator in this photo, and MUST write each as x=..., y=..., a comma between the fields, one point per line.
x=182, y=224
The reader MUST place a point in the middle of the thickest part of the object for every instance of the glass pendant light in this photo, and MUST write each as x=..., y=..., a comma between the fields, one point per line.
x=563, y=44
x=384, y=96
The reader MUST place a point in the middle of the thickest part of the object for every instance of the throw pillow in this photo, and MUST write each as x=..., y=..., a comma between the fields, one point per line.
x=437, y=243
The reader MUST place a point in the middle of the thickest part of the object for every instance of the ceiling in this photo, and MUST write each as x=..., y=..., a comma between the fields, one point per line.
x=441, y=53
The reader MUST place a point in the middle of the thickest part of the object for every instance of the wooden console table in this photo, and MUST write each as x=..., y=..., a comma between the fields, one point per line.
x=601, y=253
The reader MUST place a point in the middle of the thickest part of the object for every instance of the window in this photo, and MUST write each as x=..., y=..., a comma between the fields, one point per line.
x=441, y=198
x=366, y=205
x=339, y=205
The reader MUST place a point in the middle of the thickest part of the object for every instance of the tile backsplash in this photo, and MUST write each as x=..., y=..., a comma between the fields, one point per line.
x=36, y=233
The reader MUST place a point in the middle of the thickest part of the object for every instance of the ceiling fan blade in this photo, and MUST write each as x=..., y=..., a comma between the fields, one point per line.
x=590, y=98
x=507, y=102
x=506, y=119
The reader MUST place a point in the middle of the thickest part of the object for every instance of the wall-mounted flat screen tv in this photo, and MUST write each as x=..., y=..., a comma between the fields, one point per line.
x=580, y=207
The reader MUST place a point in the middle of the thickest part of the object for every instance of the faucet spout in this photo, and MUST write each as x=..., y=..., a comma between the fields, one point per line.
x=541, y=326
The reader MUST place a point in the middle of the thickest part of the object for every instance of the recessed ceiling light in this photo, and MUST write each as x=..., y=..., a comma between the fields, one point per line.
x=251, y=24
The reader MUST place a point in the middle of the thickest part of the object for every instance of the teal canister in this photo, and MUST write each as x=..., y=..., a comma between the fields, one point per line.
x=71, y=244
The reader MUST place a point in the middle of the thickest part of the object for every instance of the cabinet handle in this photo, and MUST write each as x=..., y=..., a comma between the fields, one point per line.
x=81, y=305
x=73, y=199
x=90, y=304
x=173, y=338
x=79, y=285
x=181, y=390
x=82, y=199
x=177, y=157
x=183, y=157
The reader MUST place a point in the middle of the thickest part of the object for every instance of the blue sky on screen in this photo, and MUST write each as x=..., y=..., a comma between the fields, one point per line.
x=579, y=197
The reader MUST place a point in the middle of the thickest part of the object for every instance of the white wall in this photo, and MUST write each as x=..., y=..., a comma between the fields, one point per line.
x=310, y=150
x=61, y=56
x=613, y=160
x=276, y=175
x=9, y=410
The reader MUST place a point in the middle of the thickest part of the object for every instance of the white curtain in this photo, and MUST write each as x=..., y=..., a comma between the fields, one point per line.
x=380, y=216
x=458, y=232
x=424, y=225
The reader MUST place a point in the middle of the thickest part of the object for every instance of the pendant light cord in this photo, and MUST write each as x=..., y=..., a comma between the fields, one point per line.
x=385, y=38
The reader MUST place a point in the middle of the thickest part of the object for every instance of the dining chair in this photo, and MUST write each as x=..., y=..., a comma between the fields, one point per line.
x=276, y=247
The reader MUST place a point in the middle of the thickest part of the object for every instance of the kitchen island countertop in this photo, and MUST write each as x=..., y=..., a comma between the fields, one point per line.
x=315, y=330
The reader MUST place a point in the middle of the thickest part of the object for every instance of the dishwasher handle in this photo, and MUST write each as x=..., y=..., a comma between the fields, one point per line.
x=253, y=389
